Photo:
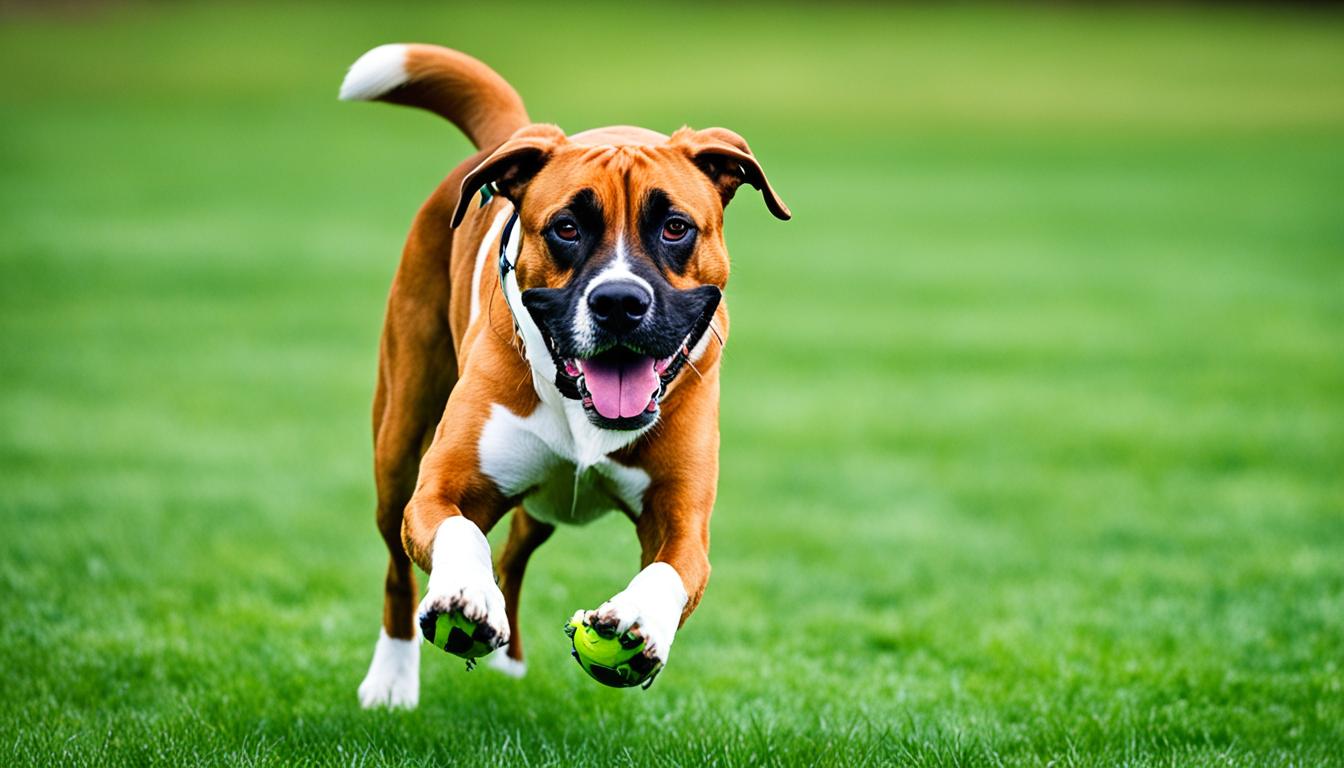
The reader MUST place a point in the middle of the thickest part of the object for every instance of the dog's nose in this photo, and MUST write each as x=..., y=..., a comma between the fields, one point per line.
x=619, y=306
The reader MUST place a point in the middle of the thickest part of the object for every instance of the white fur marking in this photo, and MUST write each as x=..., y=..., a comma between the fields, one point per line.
x=482, y=258
x=618, y=269
x=393, y=680
x=464, y=578
x=654, y=601
x=590, y=443
x=503, y=663
x=539, y=455
x=375, y=73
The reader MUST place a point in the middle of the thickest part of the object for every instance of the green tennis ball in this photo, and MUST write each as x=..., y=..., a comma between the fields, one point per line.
x=456, y=634
x=615, y=661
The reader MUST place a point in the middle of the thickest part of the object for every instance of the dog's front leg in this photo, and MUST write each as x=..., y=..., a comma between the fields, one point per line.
x=674, y=536
x=448, y=541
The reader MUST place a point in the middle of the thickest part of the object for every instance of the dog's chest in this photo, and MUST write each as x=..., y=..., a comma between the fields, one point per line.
x=537, y=457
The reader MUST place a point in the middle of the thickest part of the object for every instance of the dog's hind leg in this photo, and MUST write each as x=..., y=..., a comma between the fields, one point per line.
x=525, y=535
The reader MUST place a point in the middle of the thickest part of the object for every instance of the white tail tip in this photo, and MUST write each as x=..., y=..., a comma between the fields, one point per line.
x=375, y=73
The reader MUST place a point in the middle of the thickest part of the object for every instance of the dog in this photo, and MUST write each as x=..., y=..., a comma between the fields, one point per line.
x=551, y=347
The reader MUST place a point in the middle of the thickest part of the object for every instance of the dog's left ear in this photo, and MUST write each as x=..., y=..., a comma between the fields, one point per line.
x=727, y=160
x=511, y=166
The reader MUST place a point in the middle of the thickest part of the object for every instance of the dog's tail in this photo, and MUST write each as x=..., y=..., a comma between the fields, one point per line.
x=446, y=82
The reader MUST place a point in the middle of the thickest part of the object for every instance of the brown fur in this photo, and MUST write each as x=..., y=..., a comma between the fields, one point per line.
x=438, y=376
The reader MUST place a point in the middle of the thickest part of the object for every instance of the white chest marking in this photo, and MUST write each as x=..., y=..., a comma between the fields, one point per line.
x=537, y=456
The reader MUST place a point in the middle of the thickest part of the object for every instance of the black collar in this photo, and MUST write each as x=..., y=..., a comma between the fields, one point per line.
x=505, y=267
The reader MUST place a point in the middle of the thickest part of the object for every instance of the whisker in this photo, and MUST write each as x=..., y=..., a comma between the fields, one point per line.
x=656, y=429
x=691, y=365
x=514, y=340
x=715, y=331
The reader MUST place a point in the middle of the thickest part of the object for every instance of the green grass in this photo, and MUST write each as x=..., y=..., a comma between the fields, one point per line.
x=1033, y=418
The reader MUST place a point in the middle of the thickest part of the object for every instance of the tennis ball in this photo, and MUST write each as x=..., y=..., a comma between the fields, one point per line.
x=456, y=634
x=617, y=661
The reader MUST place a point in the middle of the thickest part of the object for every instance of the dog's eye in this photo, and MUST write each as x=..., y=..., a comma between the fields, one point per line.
x=675, y=230
x=566, y=229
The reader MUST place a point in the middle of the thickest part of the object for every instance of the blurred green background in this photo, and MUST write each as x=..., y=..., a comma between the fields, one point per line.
x=1033, y=417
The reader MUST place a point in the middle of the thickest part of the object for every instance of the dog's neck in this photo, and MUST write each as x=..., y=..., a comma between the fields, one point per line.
x=591, y=443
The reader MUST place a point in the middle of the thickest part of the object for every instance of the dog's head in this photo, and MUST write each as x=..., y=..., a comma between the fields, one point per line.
x=622, y=262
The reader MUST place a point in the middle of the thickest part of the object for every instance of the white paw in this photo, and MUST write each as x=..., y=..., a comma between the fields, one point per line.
x=463, y=580
x=481, y=602
x=393, y=680
x=649, y=608
x=506, y=664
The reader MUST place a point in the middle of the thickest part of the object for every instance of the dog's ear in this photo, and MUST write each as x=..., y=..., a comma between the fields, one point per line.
x=727, y=160
x=511, y=166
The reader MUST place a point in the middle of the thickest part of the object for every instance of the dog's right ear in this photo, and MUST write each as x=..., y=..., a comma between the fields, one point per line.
x=511, y=166
x=728, y=162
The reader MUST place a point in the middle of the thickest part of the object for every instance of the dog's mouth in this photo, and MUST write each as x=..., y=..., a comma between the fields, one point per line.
x=621, y=387
x=622, y=379
x=622, y=384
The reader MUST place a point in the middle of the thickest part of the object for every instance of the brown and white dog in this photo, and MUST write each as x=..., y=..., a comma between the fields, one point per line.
x=551, y=347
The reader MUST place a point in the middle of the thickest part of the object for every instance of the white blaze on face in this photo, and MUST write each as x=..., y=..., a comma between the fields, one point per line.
x=618, y=269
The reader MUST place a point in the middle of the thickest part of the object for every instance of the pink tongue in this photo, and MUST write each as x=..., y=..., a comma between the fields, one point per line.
x=621, y=387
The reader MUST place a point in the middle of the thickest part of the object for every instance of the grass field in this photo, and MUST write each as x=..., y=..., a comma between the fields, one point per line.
x=1033, y=418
